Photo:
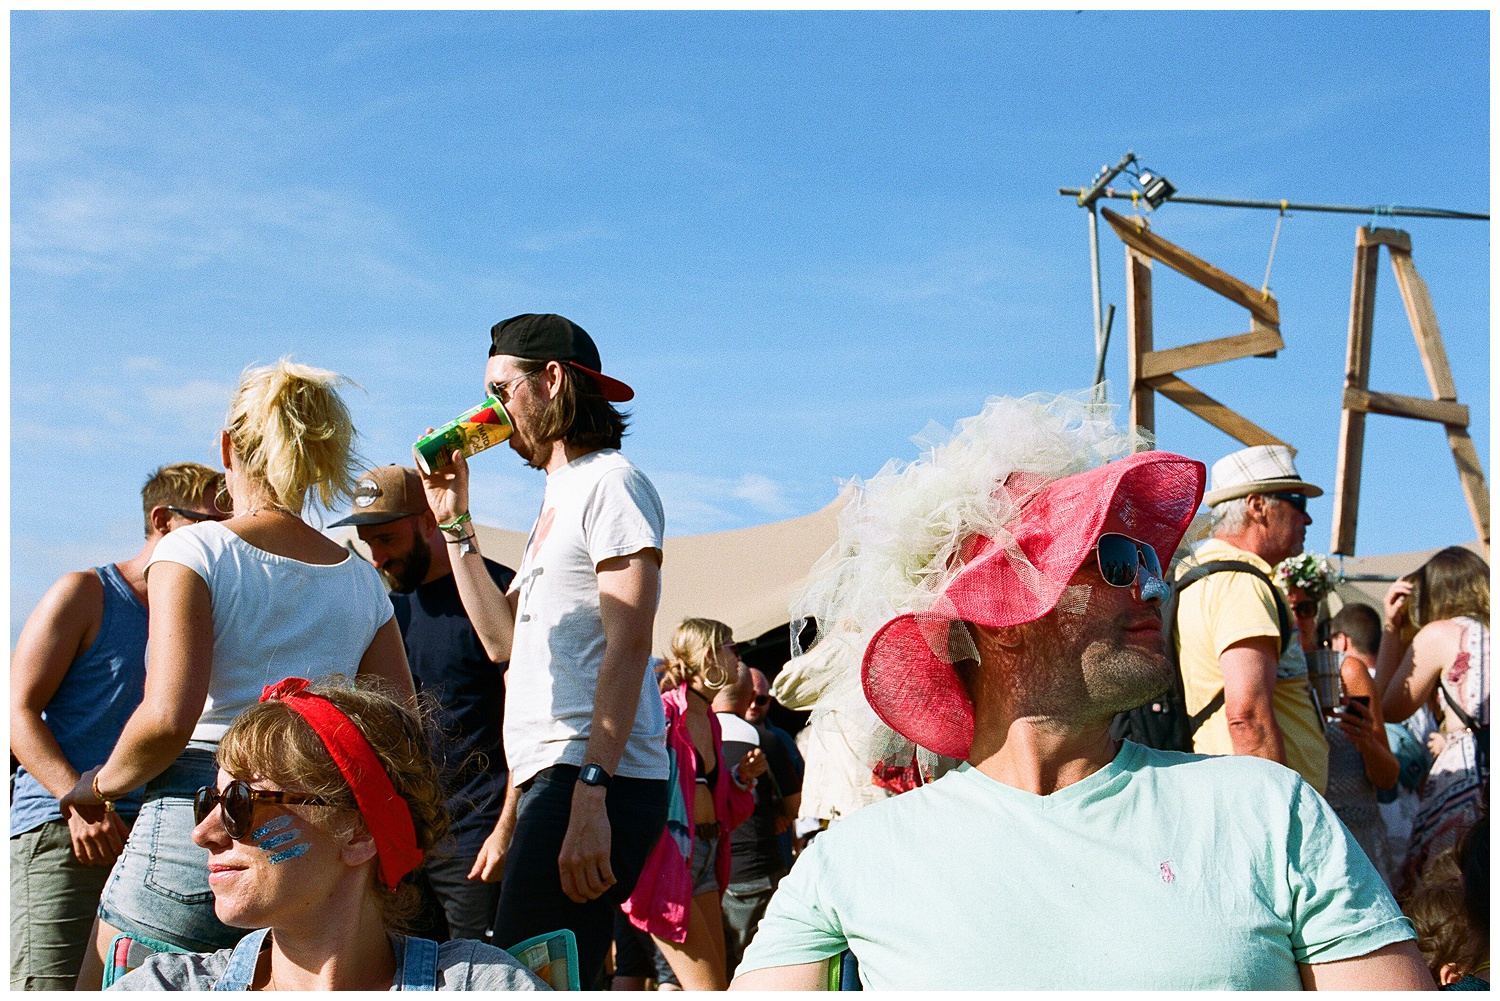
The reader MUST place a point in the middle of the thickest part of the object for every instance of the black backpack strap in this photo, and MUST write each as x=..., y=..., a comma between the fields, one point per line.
x=1468, y=721
x=1193, y=576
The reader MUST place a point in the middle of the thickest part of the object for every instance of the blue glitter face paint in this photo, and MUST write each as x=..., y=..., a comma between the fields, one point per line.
x=273, y=840
x=271, y=827
x=289, y=853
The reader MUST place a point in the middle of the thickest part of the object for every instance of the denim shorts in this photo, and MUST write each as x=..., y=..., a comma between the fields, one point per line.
x=702, y=866
x=158, y=888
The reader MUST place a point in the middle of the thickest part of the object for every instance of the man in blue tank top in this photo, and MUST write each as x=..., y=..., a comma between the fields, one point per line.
x=78, y=672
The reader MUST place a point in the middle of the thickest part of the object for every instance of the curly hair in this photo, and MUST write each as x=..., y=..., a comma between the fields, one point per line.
x=272, y=741
x=1437, y=912
x=694, y=654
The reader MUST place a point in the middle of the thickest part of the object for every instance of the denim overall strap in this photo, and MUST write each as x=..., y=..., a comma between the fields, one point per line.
x=241, y=969
x=419, y=964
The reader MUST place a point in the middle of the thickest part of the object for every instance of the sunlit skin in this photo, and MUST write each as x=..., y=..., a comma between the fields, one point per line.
x=408, y=552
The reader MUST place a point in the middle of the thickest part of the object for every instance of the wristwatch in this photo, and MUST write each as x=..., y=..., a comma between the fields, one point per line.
x=594, y=775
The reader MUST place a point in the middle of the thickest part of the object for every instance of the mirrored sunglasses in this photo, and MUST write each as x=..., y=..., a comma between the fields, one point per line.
x=1120, y=558
x=238, y=800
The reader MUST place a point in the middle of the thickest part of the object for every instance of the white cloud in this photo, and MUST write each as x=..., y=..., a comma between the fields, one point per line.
x=696, y=503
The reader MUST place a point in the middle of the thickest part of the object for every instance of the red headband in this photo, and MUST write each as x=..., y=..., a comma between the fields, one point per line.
x=386, y=814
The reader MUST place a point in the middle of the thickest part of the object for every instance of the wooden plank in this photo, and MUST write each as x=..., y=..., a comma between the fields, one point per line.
x=1257, y=342
x=1356, y=377
x=1472, y=476
x=1424, y=326
x=1138, y=314
x=1205, y=274
x=1211, y=410
x=1397, y=239
x=1395, y=405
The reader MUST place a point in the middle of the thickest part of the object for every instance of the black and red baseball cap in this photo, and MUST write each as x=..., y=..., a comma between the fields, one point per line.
x=549, y=337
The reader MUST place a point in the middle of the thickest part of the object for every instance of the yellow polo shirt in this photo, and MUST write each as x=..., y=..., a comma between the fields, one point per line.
x=1219, y=611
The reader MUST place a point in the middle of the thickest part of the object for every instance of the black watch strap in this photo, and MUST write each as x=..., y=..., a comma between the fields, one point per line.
x=594, y=775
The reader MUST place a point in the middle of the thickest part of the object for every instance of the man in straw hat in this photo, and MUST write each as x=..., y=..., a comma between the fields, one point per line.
x=1057, y=857
x=1236, y=664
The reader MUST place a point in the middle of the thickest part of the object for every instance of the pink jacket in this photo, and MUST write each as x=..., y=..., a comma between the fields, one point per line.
x=659, y=904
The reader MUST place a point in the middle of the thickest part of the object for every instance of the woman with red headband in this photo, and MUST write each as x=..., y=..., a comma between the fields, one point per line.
x=326, y=797
x=235, y=605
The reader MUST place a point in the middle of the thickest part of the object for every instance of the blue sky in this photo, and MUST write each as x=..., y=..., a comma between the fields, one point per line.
x=800, y=236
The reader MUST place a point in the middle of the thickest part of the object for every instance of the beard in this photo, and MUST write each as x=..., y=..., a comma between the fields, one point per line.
x=405, y=574
x=1083, y=670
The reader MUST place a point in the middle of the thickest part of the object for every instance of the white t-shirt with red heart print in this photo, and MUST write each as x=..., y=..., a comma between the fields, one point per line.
x=596, y=507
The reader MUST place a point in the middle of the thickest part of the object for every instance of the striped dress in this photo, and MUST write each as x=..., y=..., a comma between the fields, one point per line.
x=1453, y=795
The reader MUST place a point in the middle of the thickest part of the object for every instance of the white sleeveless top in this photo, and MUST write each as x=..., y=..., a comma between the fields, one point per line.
x=274, y=617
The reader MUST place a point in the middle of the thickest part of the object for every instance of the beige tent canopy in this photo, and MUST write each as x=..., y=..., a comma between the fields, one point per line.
x=746, y=577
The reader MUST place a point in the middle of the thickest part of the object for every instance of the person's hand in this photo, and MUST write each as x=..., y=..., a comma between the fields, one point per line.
x=1436, y=741
x=1396, y=597
x=96, y=843
x=1358, y=724
x=447, y=489
x=489, y=865
x=81, y=798
x=583, y=862
x=752, y=765
x=783, y=824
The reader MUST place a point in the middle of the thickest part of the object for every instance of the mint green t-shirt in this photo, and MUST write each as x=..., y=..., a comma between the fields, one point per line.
x=1161, y=870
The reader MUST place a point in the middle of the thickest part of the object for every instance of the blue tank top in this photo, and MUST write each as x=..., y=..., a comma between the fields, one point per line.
x=88, y=711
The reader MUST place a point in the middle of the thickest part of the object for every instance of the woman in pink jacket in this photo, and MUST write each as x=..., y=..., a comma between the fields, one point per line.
x=677, y=897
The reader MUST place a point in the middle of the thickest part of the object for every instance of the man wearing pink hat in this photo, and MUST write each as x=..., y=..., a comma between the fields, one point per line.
x=1057, y=857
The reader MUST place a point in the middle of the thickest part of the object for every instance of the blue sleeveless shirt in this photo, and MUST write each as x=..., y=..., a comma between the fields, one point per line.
x=97, y=695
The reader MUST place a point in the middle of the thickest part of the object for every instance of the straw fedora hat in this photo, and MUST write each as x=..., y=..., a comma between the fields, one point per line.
x=1259, y=469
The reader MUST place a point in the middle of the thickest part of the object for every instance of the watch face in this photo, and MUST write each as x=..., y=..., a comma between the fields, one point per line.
x=593, y=775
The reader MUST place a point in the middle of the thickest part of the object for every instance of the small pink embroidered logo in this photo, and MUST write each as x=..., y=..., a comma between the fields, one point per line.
x=1167, y=875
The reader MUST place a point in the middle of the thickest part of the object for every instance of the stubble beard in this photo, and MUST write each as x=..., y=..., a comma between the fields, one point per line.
x=1084, y=672
x=413, y=568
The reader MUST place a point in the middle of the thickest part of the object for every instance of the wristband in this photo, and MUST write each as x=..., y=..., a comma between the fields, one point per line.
x=109, y=804
x=455, y=524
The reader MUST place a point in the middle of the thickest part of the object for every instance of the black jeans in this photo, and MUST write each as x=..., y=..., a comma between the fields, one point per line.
x=531, y=896
x=453, y=905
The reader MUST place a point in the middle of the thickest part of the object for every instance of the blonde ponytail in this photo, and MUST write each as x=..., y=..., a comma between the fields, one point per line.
x=694, y=654
x=292, y=431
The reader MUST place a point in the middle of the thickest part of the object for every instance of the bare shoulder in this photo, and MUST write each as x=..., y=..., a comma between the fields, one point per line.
x=77, y=599
x=1438, y=641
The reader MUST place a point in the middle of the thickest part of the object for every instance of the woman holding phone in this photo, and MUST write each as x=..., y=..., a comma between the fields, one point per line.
x=1436, y=643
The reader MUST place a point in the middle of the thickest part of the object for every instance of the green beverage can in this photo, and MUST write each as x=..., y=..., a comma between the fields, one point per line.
x=472, y=431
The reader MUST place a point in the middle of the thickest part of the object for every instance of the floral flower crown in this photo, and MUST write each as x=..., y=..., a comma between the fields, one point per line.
x=1311, y=572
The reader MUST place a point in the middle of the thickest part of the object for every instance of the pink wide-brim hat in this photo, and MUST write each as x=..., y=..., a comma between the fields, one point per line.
x=907, y=677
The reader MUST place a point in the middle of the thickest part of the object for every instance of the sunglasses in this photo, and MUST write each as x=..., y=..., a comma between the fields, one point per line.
x=1298, y=501
x=1305, y=608
x=501, y=390
x=195, y=516
x=238, y=800
x=761, y=701
x=1120, y=559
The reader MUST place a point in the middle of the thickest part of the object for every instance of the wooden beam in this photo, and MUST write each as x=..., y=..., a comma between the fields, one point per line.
x=1472, y=476
x=1263, y=341
x=1395, y=405
x=1212, y=411
x=1259, y=304
x=1138, y=313
x=1424, y=326
x=1397, y=239
x=1356, y=378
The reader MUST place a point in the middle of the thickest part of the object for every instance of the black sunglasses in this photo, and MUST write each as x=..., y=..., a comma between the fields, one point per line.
x=239, y=799
x=197, y=515
x=1120, y=558
x=762, y=701
x=1298, y=501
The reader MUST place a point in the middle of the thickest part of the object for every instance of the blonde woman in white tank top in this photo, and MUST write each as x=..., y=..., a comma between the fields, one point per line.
x=234, y=606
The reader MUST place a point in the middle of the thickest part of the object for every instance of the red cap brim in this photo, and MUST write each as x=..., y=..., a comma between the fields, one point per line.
x=612, y=390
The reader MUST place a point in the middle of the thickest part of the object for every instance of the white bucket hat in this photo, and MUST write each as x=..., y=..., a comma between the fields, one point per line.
x=1260, y=469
